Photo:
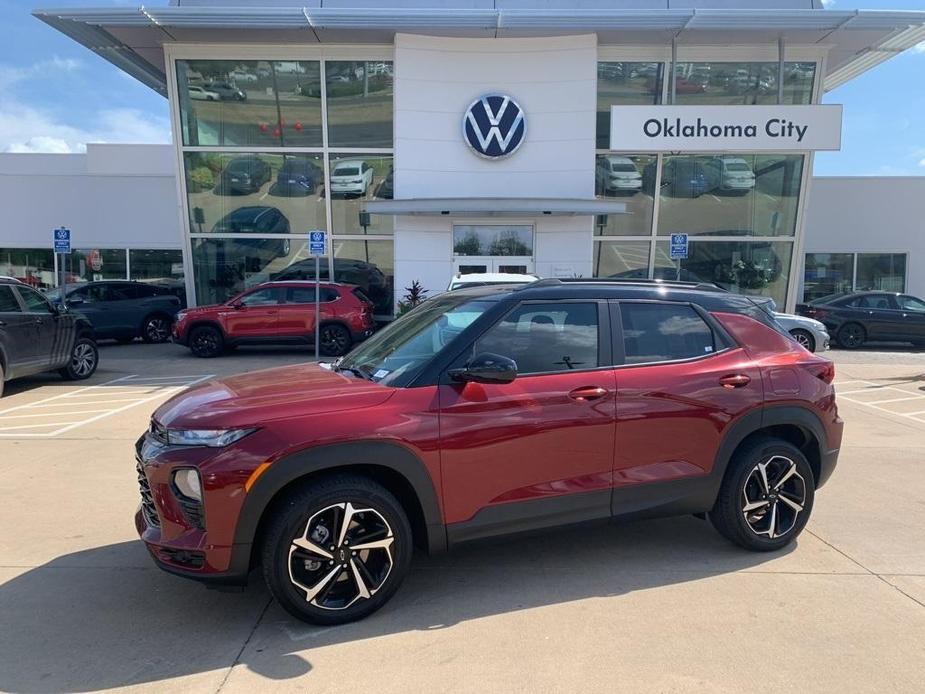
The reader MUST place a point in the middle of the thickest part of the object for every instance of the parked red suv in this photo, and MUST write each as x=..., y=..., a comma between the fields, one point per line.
x=486, y=411
x=278, y=313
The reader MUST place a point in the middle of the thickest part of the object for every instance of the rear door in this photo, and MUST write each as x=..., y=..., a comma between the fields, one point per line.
x=16, y=334
x=681, y=382
x=297, y=314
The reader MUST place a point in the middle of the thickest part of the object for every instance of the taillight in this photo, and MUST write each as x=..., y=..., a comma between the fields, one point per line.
x=823, y=370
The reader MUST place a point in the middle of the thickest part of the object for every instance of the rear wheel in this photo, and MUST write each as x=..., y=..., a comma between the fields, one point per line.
x=84, y=359
x=155, y=329
x=2, y=380
x=805, y=338
x=337, y=550
x=335, y=340
x=766, y=496
x=206, y=342
x=852, y=335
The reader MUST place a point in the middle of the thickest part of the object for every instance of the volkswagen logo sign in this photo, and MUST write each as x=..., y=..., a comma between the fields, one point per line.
x=494, y=126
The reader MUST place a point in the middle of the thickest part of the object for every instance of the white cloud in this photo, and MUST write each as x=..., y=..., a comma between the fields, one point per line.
x=921, y=162
x=828, y=3
x=13, y=74
x=919, y=47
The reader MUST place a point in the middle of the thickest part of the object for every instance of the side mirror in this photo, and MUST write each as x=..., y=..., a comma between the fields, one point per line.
x=237, y=305
x=486, y=368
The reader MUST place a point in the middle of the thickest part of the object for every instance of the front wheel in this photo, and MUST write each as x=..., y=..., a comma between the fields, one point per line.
x=155, y=329
x=84, y=359
x=766, y=496
x=805, y=338
x=335, y=340
x=337, y=550
x=206, y=342
x=852, y=336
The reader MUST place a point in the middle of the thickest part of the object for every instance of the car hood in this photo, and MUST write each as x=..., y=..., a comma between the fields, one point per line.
x=789, y=320
x=260, y=396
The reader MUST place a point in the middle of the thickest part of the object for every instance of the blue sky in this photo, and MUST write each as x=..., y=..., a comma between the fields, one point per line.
x=56, y=96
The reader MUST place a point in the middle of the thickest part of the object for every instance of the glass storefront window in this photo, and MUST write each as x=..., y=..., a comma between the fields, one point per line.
x=621, y=259
x=624, y=84
x=92, y=265
x=827, y=273
x=745, y=267
x=162, y=268
x=356, y=178
x=254, y=193
x=34, y=266
x=742, y=83
x=728, y=195
x=621, y=176
x=493, y=240
x=224, y=267
x=246, y=103
x=359, y=103
x=881, y=271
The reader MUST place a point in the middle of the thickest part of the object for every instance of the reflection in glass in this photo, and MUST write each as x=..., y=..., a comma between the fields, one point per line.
x=728, y=195
x=827, y=273
x=356, y=178
x=254, y=193
x=621, y=259
x=359, y=102
x=742, y=83
x=881, y=271
x=162, y=268
x=245, y=103
x=624, y=84
x=746, y=267
x=34, y=266
x=92, y=265
x=493, y=240
x=621, y=176
x=224, y=267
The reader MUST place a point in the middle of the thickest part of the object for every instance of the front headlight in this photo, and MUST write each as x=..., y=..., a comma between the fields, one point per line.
x=213, y=438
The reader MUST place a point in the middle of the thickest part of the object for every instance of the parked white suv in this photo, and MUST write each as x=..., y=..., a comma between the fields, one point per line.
x=731, y=174
x=351, y=177
x=481, y=279
x=617, y=174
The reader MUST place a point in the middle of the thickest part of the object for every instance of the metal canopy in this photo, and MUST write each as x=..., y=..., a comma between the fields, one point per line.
x=132, y=38
x=495, y=207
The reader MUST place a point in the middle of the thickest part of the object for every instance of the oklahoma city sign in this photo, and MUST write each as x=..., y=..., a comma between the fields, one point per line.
x=725, y=128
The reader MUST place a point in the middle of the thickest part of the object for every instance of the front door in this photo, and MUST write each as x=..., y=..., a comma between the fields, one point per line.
x=44, y=346
x=493, y=248
x=254, y=315
x=17, y=334
x=539, y=450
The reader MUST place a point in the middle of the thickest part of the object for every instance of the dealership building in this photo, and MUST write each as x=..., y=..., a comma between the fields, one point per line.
x=633, y=138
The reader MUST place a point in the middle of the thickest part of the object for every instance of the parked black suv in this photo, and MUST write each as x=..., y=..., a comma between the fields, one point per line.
x=124, y=310
x=36, y=336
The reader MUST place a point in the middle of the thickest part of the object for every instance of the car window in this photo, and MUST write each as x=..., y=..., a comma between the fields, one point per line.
x=910, y=303
x=306, y=295
x=146, y=291
x=261, y=297
x=119, y=292
x=545, y=338
x=35, y=302
x=8, y=303
x=664, y=332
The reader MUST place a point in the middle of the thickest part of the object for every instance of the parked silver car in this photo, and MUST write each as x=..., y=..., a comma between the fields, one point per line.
x=810, y=333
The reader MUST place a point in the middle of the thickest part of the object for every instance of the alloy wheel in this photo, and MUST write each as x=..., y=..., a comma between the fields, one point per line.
x=773, y=497
x=342, y=555
x=803, y=339
x=851, y=336
x=157, y=330
x=205, y=342
x=83, y=359
x=334, y=339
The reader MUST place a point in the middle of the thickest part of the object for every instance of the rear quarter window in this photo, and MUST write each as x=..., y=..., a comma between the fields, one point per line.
x=655, y=332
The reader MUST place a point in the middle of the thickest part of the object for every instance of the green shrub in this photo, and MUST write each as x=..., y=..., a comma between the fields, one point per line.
x=201, y=179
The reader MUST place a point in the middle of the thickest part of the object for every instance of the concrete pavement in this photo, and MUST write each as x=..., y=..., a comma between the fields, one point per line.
x=660, y=606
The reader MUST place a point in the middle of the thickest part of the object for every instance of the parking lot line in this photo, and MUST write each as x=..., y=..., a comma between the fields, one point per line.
x=105, y=399
x=880, y=402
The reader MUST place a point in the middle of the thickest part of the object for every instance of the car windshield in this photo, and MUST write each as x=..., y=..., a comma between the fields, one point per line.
x=352, y=171
x=396, y=354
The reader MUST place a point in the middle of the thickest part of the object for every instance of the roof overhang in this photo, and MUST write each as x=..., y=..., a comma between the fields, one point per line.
x=495, y=207
x=133, y=38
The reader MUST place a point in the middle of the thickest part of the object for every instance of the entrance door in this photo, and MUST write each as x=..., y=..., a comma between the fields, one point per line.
x=495, y=248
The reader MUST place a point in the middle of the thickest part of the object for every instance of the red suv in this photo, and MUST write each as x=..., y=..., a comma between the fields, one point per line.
x=487, y=411
x=278, y=313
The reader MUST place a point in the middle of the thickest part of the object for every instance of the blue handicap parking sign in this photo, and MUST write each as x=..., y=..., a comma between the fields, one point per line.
x=678, y=246
x=62, y=240
x=316, y=242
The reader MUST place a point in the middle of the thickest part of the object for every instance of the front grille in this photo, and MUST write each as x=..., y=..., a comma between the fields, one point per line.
x=147, y=498
x=192, y=509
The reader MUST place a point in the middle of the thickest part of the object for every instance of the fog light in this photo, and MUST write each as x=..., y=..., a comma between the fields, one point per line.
x=187, y=481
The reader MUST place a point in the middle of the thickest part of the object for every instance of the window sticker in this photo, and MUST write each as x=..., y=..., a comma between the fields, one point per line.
x=381, y=373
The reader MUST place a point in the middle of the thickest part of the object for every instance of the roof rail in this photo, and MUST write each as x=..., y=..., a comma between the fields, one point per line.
x=553, y=281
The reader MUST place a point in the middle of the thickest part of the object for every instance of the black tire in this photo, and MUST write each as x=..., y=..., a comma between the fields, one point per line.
x=805, y=338
x=206, y=342
x=2, y=380
x=85, y=357
x=156, y=329
x=742, y=484
x=323, y=503
x=852, y=335
x=335, y=340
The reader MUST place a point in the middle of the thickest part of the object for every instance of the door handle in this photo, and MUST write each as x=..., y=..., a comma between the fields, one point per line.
x=735, y=381
x=586, y=393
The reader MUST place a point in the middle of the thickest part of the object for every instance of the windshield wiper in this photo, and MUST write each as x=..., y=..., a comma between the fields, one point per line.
x=355, y=370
